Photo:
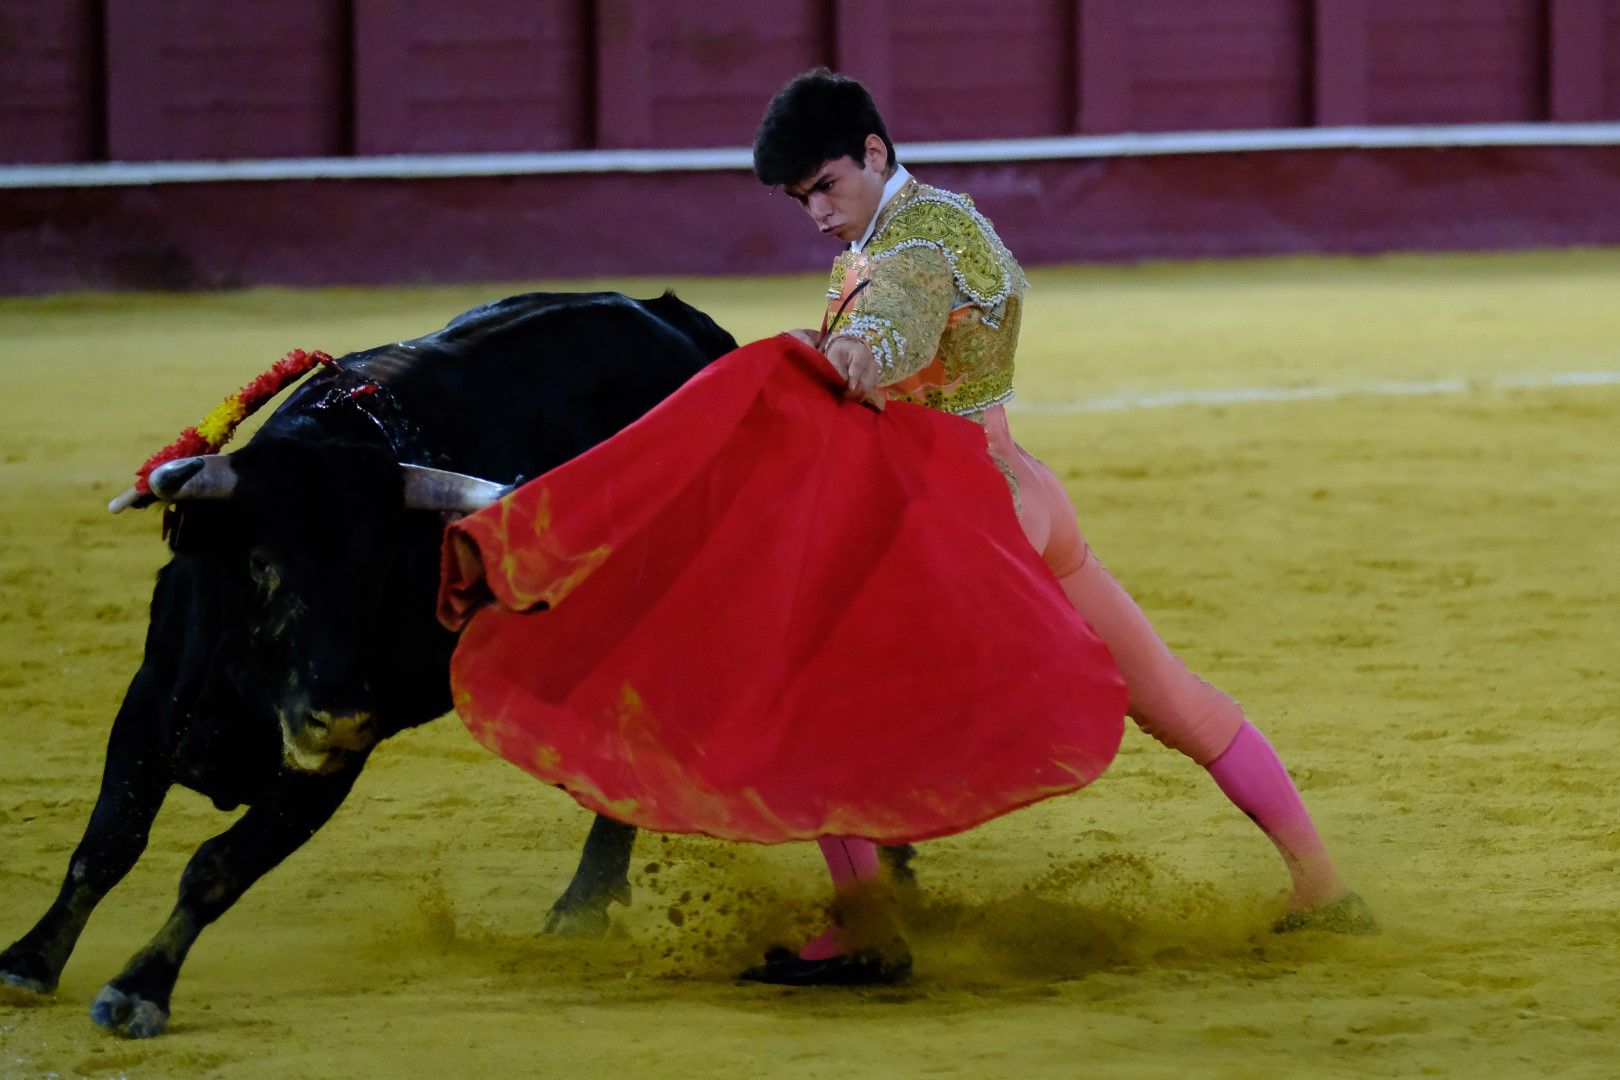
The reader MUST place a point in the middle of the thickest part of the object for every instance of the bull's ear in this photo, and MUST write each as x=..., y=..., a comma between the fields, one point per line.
x=448, y=492
x=205, y=476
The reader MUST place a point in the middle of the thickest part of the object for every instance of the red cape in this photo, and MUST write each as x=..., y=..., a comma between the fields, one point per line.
x=776, y=615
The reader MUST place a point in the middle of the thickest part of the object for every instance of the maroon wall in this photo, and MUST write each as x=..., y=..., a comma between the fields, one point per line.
x=696, y=72
x=51, y=86
x=1604, y=45
x=84, y=80
x=1441, y=62
x=559, y=226
x=91, y=80
x=208, y=79
x=956, y=69
x=1172, y=65
x=429, y=79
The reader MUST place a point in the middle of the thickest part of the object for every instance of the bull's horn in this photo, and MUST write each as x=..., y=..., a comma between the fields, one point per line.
x=456, y=493
x=207, y=476
x=131, y=497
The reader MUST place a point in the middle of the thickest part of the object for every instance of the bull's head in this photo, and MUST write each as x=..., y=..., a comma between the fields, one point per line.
x=337, y=579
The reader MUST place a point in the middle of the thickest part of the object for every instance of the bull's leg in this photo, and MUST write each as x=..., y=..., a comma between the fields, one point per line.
x=899, y=859
x=136, y=1002
x=134, y=781
x=603, y=876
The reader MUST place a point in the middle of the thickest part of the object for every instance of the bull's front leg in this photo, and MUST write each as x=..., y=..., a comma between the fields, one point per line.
x=602, y=877
x=136, y=1002
x=134, y=781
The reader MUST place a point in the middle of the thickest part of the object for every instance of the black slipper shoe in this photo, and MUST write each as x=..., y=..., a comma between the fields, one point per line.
x=1349, y=914
x=784, y=967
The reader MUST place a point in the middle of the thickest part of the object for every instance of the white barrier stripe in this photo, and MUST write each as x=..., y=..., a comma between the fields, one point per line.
x=390, y=167
x=1258, y=394
x=1566, y=378
x=427, y=166
x=1148, y=144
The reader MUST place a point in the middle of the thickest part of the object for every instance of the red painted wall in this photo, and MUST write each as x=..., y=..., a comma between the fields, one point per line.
x=1185, y=65
x=50, y=80
x=1445, y=62
x=683, y=73
x=1607, y=46
x=210, y=79
x=514, y=229
x=475, y=75
x=85, y=80
x=81, y=80
x=961, y=70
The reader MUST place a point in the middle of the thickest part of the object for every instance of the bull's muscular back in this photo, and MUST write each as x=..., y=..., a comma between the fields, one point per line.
x=518, y=386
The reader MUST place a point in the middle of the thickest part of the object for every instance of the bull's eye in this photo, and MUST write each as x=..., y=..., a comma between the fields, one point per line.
x=264, y=571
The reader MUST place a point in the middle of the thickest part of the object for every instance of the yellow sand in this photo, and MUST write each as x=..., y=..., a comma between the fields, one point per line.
x=1415, y=596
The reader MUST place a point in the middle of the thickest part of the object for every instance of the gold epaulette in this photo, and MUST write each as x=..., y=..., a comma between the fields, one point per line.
x=984, y=270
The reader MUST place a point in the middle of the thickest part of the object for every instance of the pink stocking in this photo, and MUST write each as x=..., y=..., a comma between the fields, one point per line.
x=852, y=862
x=1253, y=777
x=1166, y=699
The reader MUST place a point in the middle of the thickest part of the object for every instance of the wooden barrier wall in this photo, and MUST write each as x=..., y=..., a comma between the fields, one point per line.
x=91, y=80
x=155, y=80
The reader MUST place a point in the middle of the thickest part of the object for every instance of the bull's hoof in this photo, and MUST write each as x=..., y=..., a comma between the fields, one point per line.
x=18, y=978
x=578, y=920
x=582, y=910
x=21, y=991
x=128, y=1014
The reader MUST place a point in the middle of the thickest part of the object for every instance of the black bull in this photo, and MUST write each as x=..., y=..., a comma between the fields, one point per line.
x=293, y=629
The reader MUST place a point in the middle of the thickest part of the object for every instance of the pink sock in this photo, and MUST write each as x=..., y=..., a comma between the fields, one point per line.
x=827, y=944
x=851, y=861
x=1253, y=777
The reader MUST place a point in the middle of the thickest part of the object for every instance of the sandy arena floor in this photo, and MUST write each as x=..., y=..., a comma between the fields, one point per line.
x=1417, y=596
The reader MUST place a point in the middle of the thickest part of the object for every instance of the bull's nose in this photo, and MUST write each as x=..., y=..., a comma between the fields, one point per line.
x=341, y=730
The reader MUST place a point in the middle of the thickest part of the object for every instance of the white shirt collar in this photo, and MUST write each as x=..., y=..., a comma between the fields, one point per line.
x=891, y=188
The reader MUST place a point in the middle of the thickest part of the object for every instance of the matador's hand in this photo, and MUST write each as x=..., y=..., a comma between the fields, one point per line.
x=854, y=361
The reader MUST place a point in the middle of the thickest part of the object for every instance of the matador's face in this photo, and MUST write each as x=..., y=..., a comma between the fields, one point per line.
x=842, y=195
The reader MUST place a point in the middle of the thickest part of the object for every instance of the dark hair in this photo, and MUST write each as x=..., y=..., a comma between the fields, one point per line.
x=817, y=117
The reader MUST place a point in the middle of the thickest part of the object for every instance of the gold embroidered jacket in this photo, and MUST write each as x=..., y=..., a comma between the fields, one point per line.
x=942, y=305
